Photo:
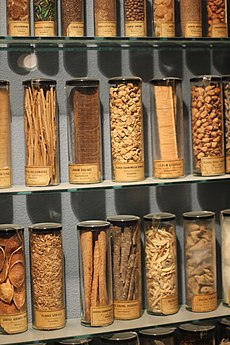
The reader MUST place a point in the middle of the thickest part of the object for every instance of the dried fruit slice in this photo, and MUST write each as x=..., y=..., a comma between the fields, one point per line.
x=4, y=271
x=2, y=258
x=19, y=296
x=6, y=291
x=17, y=274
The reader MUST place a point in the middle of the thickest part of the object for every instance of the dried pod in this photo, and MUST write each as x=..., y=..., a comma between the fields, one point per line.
x=6, y=291
x=19, y=297
x=4, y=272
x=8, y=309
x=12, y=244
x=17, y=273
x=17, y=255
x=2, y=258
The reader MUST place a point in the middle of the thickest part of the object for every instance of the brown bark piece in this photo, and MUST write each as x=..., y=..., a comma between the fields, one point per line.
x=19, y=297
x=95, y=284
x=4, y=128
x=103, y=296
x=2, y=258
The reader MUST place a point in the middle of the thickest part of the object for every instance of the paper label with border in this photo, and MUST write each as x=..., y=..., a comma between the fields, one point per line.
x=168, y=169
x=5, y=177
x=129, y=172
x=135, y=29
x=204, y=303
x=167, y=29
x=84, y=173
x=43, y=28
x=106, y=29
x=49, y=319
x=37, y=176
x=75, y=29
x=19, y=28
x=127, y=310
x=169, y=305
x=212, y=166
x=12, y=324
x=219, y=30
x=101, y=316
x=227, y=162
x=193, y=29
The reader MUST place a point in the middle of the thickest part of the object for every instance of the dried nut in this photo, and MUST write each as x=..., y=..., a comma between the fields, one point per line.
x=135, y=11
x=163, y=13
x=216, y=11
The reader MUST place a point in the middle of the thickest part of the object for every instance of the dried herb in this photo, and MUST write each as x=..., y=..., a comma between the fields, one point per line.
x=44, y=10
x=72, y=13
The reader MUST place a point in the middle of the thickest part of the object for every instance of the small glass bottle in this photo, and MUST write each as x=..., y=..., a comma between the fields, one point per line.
x=126, y=129
x=167, y=127
x=226, y=106
x=126, y=265
x=72, y=18
x=224, y=331
x=105, y=18
x=5, y=136
x=45, y=18
x=135, y=18
x=84, y=129
x=47, y=276
x=41, y=133
x=86, y=341
x=196, y=334
x=160, y=257
x=200, y=261
x=96, y=273
x=158, y=335
x=217, y=17
x=18, y=18
x=13, y=309
x=225, y=256
x=121, y=338
x=207, y=126
x=164, y=18
x=191, y=18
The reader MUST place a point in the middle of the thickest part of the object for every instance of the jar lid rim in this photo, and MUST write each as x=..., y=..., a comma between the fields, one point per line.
x=206, y=77
x=193, y=327
x=46, y=226
x=123, y=218
x=198, y=214
x=159, y=216
x=124, y=78
x=39, y=81
x=158, y=331
x=123, y=336
x=92, y=224
x=10, y=227
x=80, y=81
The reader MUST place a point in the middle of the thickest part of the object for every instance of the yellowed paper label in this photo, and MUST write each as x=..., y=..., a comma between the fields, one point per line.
x=129, y=172
x=75, y=29
x=167, y=29
x=44, y=28
x=168, y=169
x=101, y=316
x=49, y=319
x=211, y=166
x=37, y=176
x=203, y=303
x=193, y=29
x=227, y=162
x=135, y=29
x=14, y=323
x=219, y=30
x=19, y=28
x=106, y=29
x=127, y=310
x=169, y=305
x=5, y=177
x=84, y=173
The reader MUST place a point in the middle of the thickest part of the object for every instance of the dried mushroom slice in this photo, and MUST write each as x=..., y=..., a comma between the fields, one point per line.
x=17, y=274
x=8, y=308
x=2, y=258
x=19, y=297
x=6, y=291
x=4, y=271
x=17, y=255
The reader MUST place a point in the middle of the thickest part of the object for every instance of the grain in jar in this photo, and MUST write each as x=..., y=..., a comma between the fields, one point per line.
x=157, y=336
x=45, y=18
x=225, y=255
x=164, y=18
x=18, y=18
x=226, y=111
x=191, y=18
x=105, y=24
x=121, y=338
x=135, y=18
x=72, y=15
x=217, y=17
x=196, y=333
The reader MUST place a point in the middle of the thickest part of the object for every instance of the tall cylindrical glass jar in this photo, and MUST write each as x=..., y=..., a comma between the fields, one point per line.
x=223, y=333
x=121, y=338
x=225, y=257
x=191, y=18
x=95, y=272
x=217, y=17
x=126, y=129
x=226, y=97
x=41, y=133
x=47, y=276
x=72, y=13
x=5, y=135
x=164, y=18
x=200, y=261
x=18, y=18
x=135, y=18
x=126, y=265
x=105, y=24
x=84, y=129
x=207, y=126
x=45, y=18
x=13, y=310
x=160, y=257
x=196, y=334
x=157, y=335
x=167, y=127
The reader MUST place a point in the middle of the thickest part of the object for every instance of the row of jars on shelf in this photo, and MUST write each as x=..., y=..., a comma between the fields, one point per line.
x=210, y=126
x=45, y=18
x=110, y=258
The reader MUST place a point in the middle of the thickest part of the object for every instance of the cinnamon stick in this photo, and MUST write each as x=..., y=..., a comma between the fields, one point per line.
x=95, y=284
x=103, y=296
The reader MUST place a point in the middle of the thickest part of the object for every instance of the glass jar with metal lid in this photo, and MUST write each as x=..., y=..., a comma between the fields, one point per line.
x=47, y=276
x=105, y=24
x=126, y=264
x=45, y=18
x=135, y=18
x=200, y=260
x=225, y=255
x=161, y=263
x=226, y=115
x=197, y=334
x=217, y=18
x=73, y=341
x=153, y=336
x=72, y=15
x=223, y=331
x=164, y=18
x=18, y=18
x=123, y=338
x=95, y=272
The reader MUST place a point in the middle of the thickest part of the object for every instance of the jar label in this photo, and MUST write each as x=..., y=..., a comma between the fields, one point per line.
x=227, y=162
x=5, y=177
x=127, y=310
x=219, y=30
x=14, y=323
x=193, y=29
x=43, y=28
x=75, y=29
x=84, y=173
x=128, y=172
x=19, y=28
x=49, y=319
x=167, y=29
x=106, y=29
x=101, y=316
x=204, y=303
x=211, y=166
x=169, y=305
x=135, y=29
x=37, y=176
x=168, y=169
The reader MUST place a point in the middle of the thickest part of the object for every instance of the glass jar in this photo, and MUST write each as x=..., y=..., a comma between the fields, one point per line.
x=167, y=127
x=85, y=341
x=122, y=338
x=95, y=273
x=207, y=126
x=47, y=276
x=217, y=17
x=126, y=129
x=158, y=335
x=200, y=261
x=84, y=129
x=105, y=18
x=164, y=18
x=226, y=105
x=5, y=135
x=160, y=257
x=196, y=334
x=18, y=18
x=191, y=18
x=225, y=256
x=72, y=18
x=45, y=18
x=41, y=133
x=135, y=18
x=126, y=264
x=224, y=331
x=13, y=309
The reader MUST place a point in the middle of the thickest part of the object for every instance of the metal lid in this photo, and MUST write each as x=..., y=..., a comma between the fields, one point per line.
x=225, y=321
x=207, y=78
x=123, y=336
x=198, y=214
x=4, y=83
x=46, y=226
x=10, y=227
x=39, y=82
x=83, y=82
x=123, y=218
x=92, y=224
x=157, y=332
x=197, y=327
x=168, y=80
x=159, y=216
x=124, y=79
x=74, y=341
x=226, y=212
